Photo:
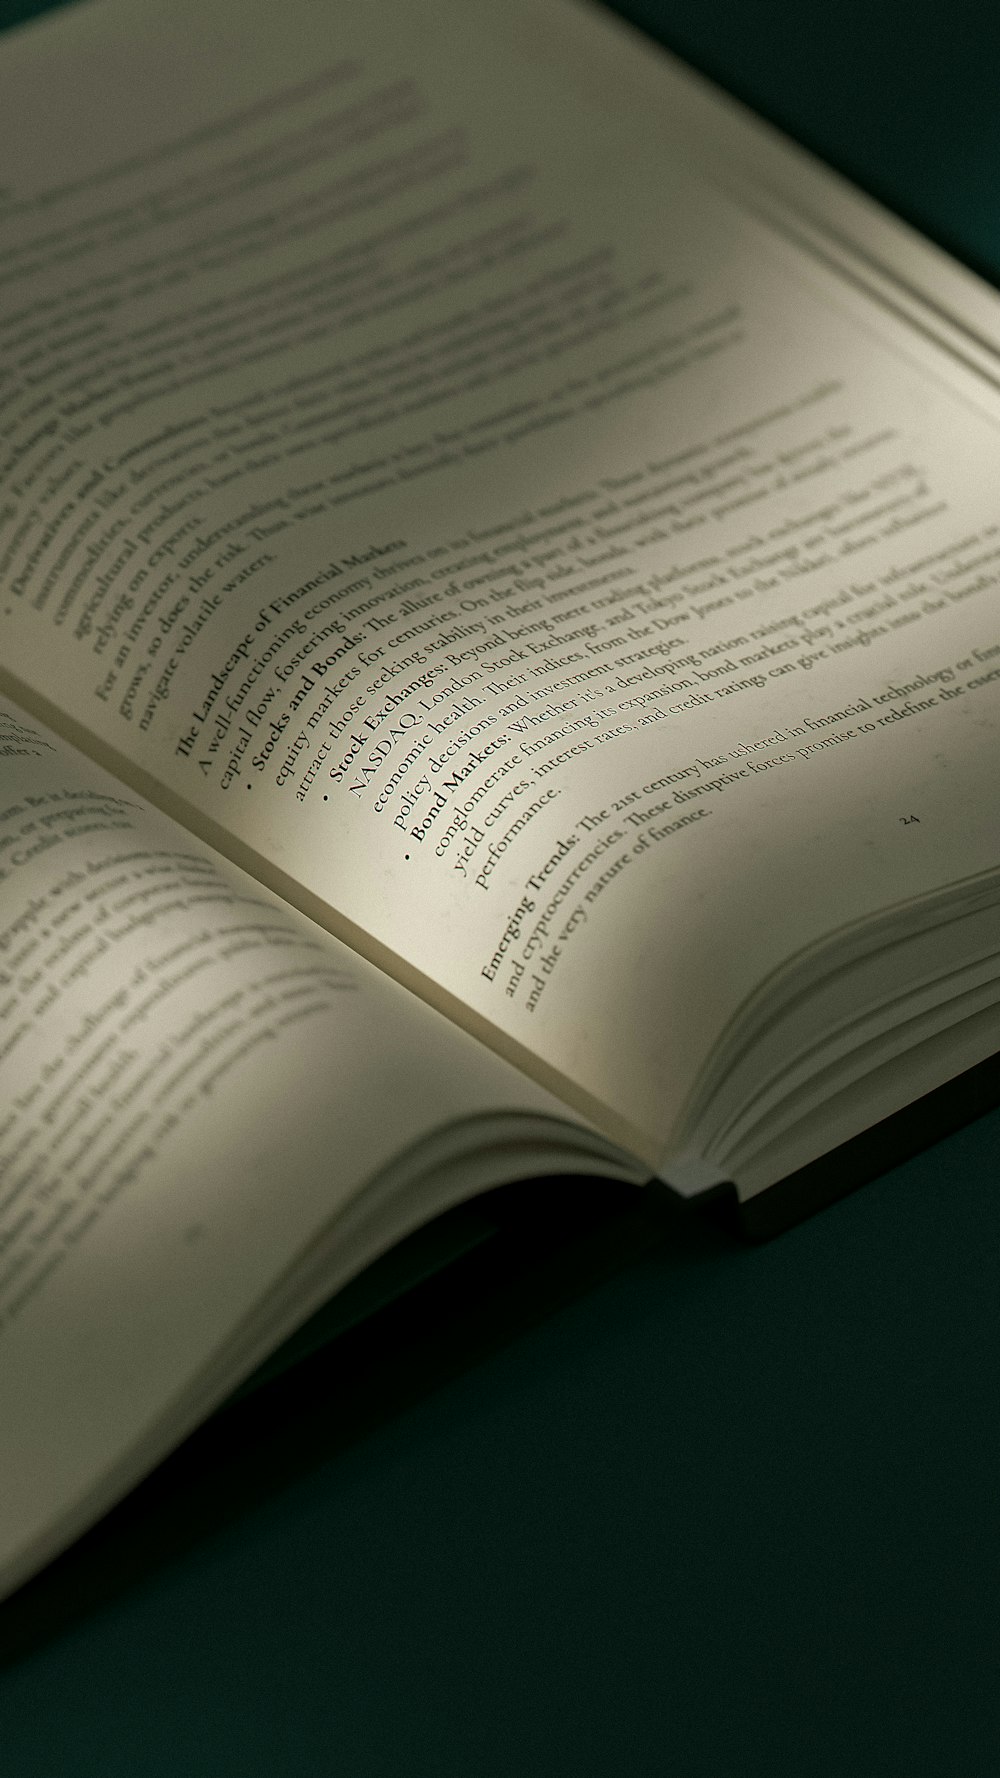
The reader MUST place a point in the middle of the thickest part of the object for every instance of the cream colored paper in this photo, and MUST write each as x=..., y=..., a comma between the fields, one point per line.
x=505, y=539
x=196, y=1089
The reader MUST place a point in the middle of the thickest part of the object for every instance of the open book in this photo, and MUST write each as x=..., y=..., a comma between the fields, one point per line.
x=499, y=667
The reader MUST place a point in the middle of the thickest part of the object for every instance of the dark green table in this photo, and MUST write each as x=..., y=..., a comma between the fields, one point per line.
x=731, y=1511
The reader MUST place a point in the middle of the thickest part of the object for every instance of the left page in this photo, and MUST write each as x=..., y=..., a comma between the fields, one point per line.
x=196, y=1086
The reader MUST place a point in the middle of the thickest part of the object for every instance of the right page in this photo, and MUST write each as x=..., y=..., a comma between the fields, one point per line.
x=429, y=483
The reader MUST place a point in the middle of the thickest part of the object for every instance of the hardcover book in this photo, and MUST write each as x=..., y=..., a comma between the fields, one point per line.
x=499, y=669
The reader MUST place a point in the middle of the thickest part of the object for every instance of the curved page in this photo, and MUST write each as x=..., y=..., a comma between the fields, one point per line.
x=196, y=1085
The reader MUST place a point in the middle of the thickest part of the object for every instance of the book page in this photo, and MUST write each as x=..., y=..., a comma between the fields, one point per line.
x=429, y=482
x=196, y=1087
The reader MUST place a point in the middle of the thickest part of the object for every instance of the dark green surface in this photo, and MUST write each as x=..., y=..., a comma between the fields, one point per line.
x=901, y=95
x=733, y=1512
